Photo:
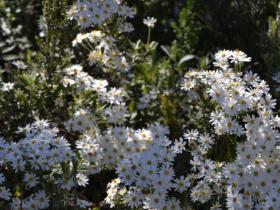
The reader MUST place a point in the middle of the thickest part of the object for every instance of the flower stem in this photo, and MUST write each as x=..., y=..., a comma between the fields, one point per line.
x=149, y=35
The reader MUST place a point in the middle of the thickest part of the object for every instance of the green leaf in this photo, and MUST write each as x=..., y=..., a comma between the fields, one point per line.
x=27, y=80
x=186, y=58
x=166, y=49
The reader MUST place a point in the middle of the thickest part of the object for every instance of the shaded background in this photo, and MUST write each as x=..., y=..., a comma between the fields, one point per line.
x=198, y=26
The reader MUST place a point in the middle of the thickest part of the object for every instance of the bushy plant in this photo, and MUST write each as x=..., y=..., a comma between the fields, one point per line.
x=96, y=120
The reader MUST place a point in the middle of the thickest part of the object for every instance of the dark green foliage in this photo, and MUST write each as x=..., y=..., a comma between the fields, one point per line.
x=164, y=11
x=189, y=28
x=206, y=26
x=58, y=35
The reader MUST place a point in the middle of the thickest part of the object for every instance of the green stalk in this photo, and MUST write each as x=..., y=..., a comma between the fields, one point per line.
x=149, y=35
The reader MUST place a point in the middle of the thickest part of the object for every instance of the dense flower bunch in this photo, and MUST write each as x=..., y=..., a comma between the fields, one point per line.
x=243, y=117
x=144, y=165
x=115, y=110
x=102, y=50
x=36, y=161
x=44, y=160
x=146, y=99
x=142, y=158
x=102, y=47
x=96, y=12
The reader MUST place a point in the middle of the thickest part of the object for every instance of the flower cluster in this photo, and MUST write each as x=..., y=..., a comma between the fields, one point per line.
x=142, y=158
x=75, y=76
x=96, y=12
x=147, y=99
x=225, y=57
x=243, y=118
x=102, y=50
x=144, y=167
x=38, y=157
